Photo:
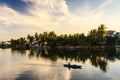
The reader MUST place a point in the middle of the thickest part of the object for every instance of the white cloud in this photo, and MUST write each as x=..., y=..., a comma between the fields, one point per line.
x=102, y=6
x=48, y=15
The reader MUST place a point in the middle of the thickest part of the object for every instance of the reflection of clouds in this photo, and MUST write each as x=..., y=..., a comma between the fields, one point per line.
x=19, y=67
x=88, y=72
x=9, y=71
x=10, y=66
x=114, y=70
x=52, y=73
x=47, y=70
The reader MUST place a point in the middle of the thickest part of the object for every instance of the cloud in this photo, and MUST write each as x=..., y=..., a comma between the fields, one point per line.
x=49, y=15
x=44, y=17
x=102, y=6
x=43, y=14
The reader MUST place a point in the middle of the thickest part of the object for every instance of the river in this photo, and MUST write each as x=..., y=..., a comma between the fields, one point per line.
x=48, y=65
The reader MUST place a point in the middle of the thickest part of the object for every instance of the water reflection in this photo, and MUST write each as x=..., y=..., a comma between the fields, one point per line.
x=97, y=58
x=21, y=65
x=22, y=52
x=44, y=73
x=43, y=64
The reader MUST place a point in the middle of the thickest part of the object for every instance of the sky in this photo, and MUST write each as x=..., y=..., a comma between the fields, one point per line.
x=21, y=17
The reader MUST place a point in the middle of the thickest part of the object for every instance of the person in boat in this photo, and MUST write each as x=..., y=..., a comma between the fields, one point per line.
x=69, y=63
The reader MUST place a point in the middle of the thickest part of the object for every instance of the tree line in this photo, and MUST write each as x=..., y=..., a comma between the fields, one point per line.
x=94, y=37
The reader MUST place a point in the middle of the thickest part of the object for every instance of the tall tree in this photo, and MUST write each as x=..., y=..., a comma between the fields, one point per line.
x=101, y=32
x=36, y=36
x=30, y=38
x=52, y=38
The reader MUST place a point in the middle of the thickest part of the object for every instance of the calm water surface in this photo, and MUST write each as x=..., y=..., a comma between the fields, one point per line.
x=39, y=65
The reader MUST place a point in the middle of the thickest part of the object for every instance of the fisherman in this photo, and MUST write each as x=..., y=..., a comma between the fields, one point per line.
x=69, y=63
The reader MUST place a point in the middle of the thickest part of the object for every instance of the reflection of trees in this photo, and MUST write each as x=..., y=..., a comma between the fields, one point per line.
x=111, y=54
x=22, y=52
x=34, y=53
x=53, y=55
x=96, y=57
x=99, y=61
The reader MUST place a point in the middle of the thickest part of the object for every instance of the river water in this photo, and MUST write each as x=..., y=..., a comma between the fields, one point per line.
x=48, y=65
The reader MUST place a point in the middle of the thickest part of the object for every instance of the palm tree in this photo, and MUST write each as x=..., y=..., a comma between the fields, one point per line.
x=101, y=32
x=92, y=36
x=22, y=40
x=52, y=35
x=30, y=38
x=52, y=39
x=36, y=36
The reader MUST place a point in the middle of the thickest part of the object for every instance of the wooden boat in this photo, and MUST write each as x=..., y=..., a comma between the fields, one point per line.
x=73, y=66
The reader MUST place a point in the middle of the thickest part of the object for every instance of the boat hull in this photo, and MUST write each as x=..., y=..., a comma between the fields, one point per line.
x=72, y=66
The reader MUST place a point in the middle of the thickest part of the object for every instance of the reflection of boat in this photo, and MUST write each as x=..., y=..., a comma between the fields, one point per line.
x=72, y=66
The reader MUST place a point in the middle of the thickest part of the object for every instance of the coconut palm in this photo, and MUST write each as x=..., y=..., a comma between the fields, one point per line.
x=30, y=38
x=101, y=32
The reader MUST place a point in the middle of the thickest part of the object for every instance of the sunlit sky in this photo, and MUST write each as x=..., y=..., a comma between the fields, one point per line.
x=21, y=17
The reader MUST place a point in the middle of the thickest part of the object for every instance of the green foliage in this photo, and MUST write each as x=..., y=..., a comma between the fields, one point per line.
x=93, y=38
x=18, y=41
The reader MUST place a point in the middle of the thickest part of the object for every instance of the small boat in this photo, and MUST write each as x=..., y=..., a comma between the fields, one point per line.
x=73, y=66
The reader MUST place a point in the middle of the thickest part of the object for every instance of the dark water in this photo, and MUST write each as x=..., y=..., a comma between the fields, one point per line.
x=48, y=65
